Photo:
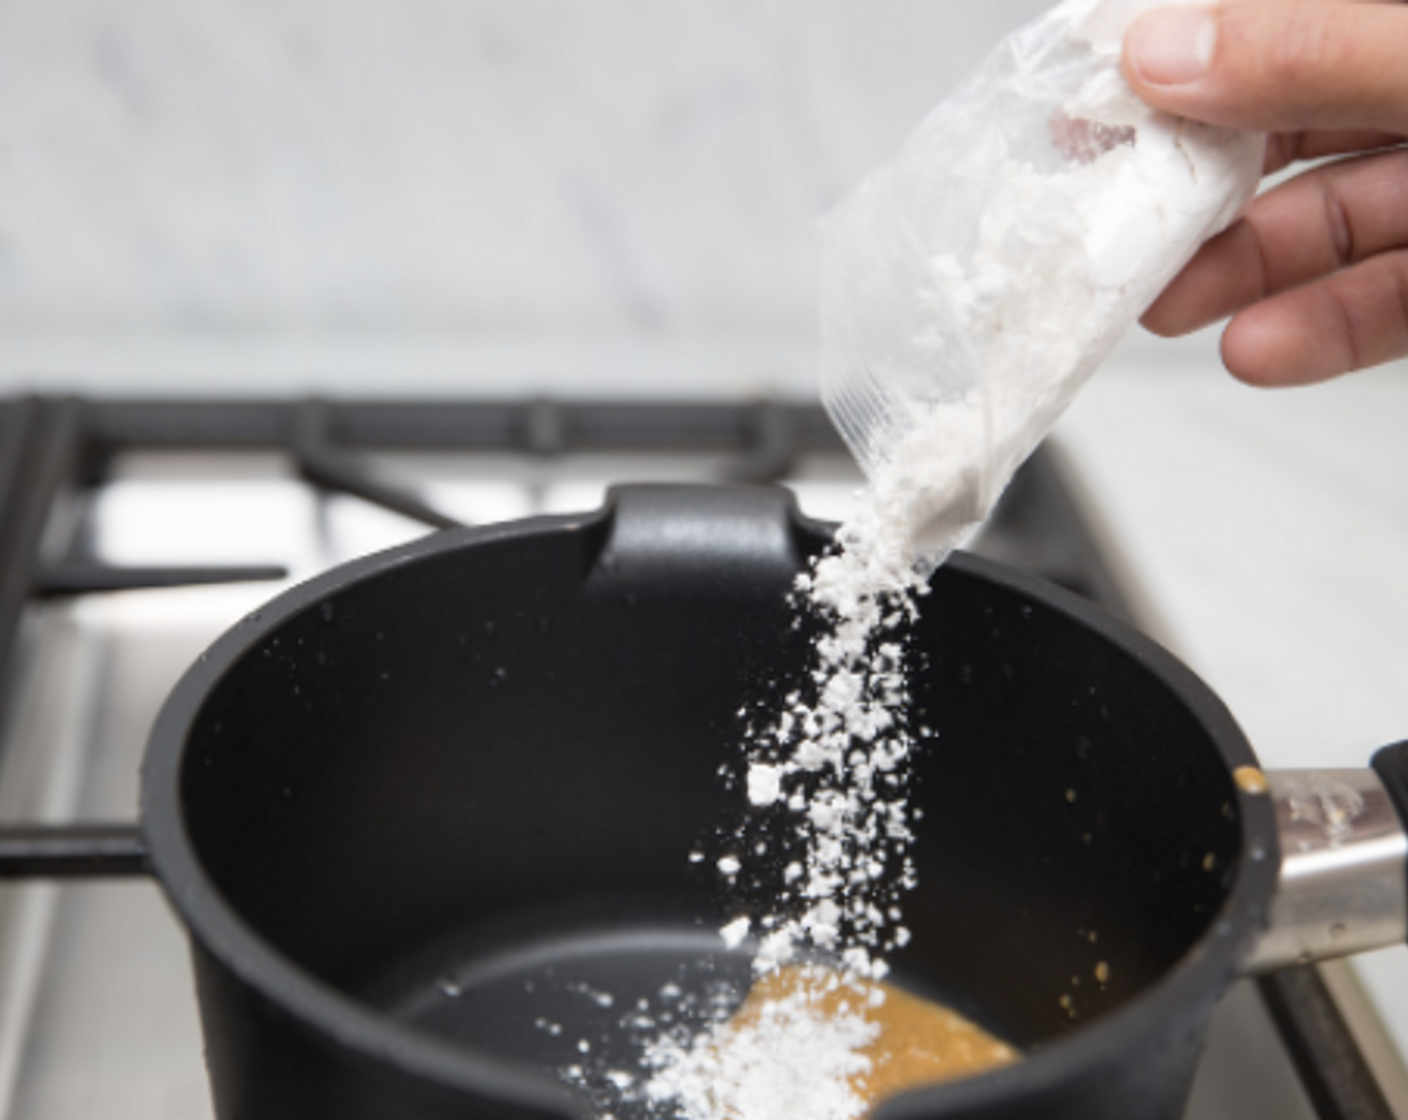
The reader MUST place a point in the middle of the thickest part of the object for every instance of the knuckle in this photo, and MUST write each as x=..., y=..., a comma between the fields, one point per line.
x=1338, y=223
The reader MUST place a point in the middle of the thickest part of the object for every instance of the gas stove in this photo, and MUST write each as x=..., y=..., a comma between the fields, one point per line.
x=133, y=532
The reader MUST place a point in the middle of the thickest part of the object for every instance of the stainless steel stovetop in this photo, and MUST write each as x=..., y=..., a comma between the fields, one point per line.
x=97, y=1011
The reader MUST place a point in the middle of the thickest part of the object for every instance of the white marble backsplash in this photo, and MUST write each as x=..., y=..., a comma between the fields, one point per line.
x=502, y=167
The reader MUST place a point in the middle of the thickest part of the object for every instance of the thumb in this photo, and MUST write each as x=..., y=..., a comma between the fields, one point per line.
x=1275, y=67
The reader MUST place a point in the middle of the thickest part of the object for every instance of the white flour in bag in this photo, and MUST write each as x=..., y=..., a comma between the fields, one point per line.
x=970, y=287
x=1082, y=204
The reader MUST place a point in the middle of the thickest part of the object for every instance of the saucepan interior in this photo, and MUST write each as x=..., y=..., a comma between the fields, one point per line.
x=441, y=786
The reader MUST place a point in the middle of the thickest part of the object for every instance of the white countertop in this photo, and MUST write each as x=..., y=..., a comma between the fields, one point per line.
x=1270, y=530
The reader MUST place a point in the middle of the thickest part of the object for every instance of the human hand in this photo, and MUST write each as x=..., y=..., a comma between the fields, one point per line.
x=1315, y=274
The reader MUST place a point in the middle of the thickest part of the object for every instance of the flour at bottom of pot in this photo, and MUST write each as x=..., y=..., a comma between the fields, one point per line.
x=816, y=1042
x=793, y=1054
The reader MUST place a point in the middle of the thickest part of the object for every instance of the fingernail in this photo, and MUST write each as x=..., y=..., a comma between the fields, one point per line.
x=1173, y=46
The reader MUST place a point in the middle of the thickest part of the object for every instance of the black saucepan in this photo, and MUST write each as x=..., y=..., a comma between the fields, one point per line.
x=426, y=807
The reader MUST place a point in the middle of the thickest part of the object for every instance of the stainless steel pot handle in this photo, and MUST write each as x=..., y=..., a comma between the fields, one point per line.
x=1343, y=885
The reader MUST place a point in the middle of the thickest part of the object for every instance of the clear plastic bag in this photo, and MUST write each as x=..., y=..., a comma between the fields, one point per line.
x=971, y=286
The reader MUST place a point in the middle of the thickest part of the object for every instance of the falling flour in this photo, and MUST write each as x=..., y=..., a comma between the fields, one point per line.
x=969, y=289
x=835, y=760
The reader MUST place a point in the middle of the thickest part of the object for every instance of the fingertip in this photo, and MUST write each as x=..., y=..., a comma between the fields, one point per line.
x=1130, y=69
x=1251, y=351
x=1244, y=356
x=1170, y=47
x=1270, y=66
x=1222, y=278
x=1179, y=308
x=1264, y=348
x=1157, y=322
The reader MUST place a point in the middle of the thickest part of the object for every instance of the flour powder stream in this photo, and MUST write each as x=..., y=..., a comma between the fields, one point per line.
x=969, y=288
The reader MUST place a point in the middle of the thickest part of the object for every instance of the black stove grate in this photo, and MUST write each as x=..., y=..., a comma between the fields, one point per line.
x=53, y=452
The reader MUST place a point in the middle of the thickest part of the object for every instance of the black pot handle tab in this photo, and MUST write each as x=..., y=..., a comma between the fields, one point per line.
x=1391, y=765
